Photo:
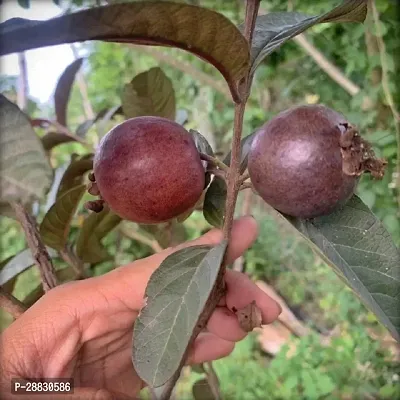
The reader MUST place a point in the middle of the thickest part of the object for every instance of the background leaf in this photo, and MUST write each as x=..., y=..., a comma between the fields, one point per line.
x=276, y=28
x=149, y=93
x=25, y=172
x=214, y=202
x=175, y=297
x=56, y=223
x=63, y=90
x=201, y=31
x=53, y=139
x=19, y=263
x=74, y=174
x=95, y=227
x=201, y=143
x=355, y=243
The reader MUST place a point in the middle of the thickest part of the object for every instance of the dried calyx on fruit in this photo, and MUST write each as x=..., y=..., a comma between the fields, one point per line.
x=147, y=170
x=307, y=160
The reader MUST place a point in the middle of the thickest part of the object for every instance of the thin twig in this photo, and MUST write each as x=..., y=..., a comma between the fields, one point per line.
x=74, y=261
x=11, y=304
x=234, y=171
x=135, y=235
x=214, y=161
x=218, y=173
x=38, y=249
x=244, y=177
x=213, y=380
x=246, y=185
x=328, y=67
x=386, y=87
x=232, y=191
x=87, y=106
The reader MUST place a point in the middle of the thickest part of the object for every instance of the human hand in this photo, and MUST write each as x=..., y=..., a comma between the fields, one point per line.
x=83, y=329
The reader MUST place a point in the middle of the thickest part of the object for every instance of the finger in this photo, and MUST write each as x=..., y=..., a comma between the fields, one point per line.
x=129, y=282
x=209, y=347
x=224, y=324
x=241, y=291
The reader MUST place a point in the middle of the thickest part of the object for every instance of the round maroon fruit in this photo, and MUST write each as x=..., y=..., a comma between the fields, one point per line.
x=307, y=160
x=148, y=170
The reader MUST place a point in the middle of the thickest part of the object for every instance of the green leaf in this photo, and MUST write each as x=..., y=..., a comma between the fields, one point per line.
x=203, y=32
x=17, y=264
x=149, y=93
x=360, y=250
x=83, y=128
x=276, y=28
x=95, y=227
x=74, y=174
x=175, y=297
x=245, y=146
x=167, y=234
x=202, y=391
x=63, y=90
x=25, y=172
x=53, y=139
x=201, y=143
x=24, y=3
x=56, y=223
x=214, y=202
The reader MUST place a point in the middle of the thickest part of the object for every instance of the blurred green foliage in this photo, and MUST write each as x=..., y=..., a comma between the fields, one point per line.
x=352, y=366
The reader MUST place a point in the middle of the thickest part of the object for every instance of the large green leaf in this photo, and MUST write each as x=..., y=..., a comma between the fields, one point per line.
x=204, y=32
x=15, y=265
x=56, y=223
x=63, y=90
x=149, y=93
x=276, y=28
x=95, y=227
x=214, y=202
x=74, y=174
x=175, y=298
x=25, y=172
x=358, y=247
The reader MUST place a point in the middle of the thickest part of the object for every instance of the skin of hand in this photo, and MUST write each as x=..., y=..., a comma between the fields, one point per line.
x=83, y=329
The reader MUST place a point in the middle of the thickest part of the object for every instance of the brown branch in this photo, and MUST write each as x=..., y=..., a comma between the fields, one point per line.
x=214, y=161
x=73, y=261
x=386, y=86
x=328, y=67
x=184, y=66
x=213, y=380
x=38, y=249
x=232, y=191
x=11, y=304
x=135, y=235
x=87, y=106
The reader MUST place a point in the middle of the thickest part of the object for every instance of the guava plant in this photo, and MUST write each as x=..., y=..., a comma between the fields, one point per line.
x=305, y=163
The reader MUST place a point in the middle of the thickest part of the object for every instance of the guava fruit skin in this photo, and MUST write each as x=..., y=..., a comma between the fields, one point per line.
x=295, y=162
x=148, y=170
